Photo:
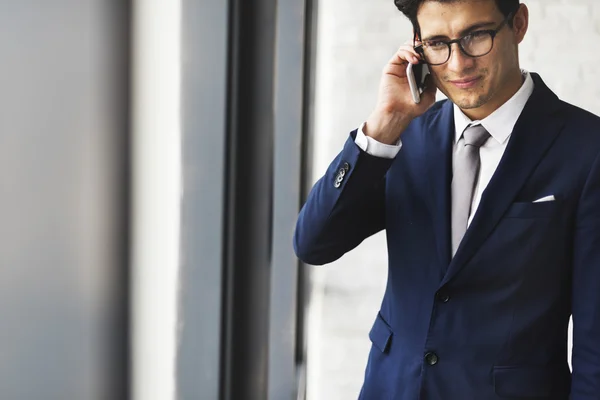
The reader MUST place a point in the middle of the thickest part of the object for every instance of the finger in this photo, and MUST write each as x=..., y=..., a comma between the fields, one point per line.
x=398, y=70
x=409, y=46
x=404, y=55
x=409, y=49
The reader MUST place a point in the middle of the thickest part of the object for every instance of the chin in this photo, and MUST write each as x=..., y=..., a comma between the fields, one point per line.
x=474, y=100
x=469, y=105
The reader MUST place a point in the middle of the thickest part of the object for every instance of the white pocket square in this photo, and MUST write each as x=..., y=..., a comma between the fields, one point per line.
x=545, y=199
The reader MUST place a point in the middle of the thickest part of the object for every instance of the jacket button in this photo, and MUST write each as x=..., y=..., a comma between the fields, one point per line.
x=339, y=178
x=443, y=297
x=431, y=358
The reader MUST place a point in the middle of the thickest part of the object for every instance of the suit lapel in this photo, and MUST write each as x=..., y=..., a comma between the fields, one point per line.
x=439, y=145
x=535, y=131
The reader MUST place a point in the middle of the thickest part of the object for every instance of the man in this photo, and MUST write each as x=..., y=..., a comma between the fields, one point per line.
x=491, y=205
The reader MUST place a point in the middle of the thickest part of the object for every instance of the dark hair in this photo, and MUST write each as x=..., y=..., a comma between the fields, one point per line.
x=410, y=8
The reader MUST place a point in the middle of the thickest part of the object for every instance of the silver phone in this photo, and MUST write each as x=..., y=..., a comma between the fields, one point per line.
x=416, y=74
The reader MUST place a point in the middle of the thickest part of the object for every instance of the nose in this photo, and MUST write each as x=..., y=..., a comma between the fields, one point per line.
x=459, y=61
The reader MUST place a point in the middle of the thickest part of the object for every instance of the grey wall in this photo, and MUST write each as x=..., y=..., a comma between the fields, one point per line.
x=63, y=152
x=356, y=38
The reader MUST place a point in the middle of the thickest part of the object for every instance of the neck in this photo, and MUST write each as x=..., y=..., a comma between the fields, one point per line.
x=511, y=87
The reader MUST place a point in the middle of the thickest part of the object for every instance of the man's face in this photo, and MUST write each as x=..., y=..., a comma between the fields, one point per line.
x=471, y=83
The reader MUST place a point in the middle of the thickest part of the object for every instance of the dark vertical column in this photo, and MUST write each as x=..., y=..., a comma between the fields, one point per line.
x=243, y=125
x=250, y=190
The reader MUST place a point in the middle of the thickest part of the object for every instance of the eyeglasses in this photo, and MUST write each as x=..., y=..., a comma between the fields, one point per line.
x=475, y=44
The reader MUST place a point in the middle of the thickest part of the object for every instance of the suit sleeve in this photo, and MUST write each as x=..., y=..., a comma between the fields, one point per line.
x=586, y=292
x=344, y=207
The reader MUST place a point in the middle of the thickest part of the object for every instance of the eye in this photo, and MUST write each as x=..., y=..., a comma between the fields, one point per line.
x=468, y=37
x=436, y=44
x=476, y=36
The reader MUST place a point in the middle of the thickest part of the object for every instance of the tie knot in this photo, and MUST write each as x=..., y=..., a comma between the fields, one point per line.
x=476, y=136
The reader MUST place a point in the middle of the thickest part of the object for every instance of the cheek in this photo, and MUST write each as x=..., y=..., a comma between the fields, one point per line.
x=438, y=81
x=495, y=65
x=489, y=69
x=438, y=75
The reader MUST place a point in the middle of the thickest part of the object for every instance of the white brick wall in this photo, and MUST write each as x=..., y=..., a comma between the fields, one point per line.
x=355, y=39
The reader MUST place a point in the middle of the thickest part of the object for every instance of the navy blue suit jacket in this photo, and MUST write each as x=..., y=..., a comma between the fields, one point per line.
x=491, y=322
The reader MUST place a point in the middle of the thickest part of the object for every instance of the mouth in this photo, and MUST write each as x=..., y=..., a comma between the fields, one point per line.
x=466, y=83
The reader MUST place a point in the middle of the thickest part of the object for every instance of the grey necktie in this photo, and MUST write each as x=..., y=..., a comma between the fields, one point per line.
x=466, y=171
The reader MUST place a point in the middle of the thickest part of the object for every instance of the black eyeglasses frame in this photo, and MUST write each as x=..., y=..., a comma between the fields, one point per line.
x=492, y=32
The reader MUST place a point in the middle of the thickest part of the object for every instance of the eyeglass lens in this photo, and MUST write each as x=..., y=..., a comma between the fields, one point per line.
x=476, y=44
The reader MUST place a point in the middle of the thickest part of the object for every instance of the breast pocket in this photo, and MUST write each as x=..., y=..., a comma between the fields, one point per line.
x=533, y=210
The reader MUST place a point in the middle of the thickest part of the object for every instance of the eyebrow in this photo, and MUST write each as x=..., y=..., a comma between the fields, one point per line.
x=464, y=32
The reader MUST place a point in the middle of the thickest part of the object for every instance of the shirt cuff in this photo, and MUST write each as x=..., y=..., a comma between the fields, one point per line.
x=375, y=148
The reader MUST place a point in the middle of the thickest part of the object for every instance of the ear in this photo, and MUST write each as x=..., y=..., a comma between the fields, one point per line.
x=520, y=23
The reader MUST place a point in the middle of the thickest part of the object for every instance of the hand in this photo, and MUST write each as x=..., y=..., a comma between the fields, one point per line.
x=395, y=107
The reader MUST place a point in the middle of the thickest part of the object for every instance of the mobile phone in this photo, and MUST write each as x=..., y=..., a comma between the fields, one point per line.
x=416, y=74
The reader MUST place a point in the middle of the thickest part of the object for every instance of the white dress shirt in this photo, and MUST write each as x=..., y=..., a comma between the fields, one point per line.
x=499, y=124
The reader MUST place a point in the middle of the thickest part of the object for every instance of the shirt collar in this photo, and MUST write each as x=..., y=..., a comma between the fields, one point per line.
x=501, y=122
